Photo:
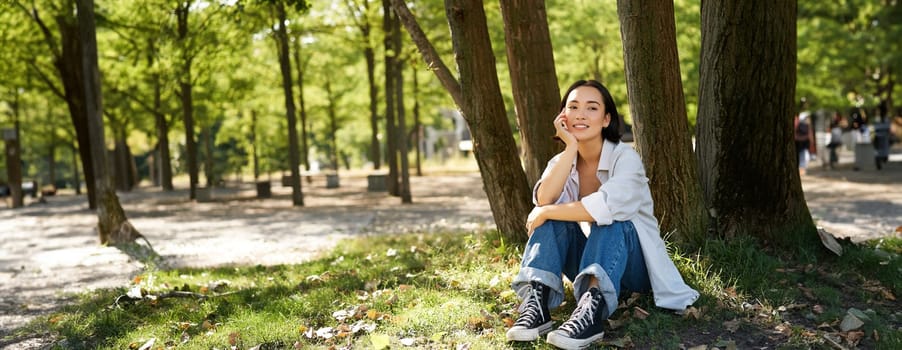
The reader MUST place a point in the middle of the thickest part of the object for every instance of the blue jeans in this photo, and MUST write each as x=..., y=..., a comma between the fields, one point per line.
x=610, y=253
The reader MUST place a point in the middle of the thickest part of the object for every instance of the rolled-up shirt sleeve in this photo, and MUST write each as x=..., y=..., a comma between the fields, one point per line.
x=620, y=197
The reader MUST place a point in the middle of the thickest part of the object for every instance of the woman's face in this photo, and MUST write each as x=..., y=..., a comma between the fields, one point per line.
x=585, y=112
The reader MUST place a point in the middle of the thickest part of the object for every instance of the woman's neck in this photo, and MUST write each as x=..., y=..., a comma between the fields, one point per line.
x=591, y=151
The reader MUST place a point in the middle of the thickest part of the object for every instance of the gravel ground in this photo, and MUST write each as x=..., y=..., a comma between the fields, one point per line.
x=49, y=250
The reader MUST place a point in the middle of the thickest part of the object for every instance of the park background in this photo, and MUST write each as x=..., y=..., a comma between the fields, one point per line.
x=224, y=69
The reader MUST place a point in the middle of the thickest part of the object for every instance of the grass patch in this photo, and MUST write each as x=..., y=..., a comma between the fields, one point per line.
x=451, y=291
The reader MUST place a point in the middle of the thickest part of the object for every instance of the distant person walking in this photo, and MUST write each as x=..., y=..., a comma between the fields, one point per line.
x=804, y=140
x=835, y=142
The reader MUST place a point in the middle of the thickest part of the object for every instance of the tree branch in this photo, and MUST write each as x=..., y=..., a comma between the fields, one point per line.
x=433, y=60
x=48, y=37
x=133, y=98
x=56, y=91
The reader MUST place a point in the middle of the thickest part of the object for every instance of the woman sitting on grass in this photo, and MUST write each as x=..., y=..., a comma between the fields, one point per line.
x=600, y=180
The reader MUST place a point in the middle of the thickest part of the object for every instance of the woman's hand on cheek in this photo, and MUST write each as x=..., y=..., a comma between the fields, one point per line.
x=561, y=131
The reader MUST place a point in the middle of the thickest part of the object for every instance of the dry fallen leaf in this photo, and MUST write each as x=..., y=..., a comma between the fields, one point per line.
x=853, y=338
x=817, y=309
x=633, y=298
x=234, y=337
x=693, y=313
x=784, y=328
x=639, y=313
x=807, y=292
x=732, y=325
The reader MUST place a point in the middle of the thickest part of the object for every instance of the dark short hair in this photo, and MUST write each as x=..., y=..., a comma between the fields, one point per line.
x=612, y=132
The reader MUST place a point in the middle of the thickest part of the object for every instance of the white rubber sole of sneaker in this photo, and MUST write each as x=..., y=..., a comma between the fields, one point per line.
x=518, y=333
x=566, y=343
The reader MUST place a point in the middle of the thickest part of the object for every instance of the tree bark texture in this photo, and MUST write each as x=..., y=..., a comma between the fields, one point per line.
x=534, y=82
x=747, y=160
x=69, y=66
x=113, y=226
x=297, y=197
x=478, y=96
x=658, y=110
x=493, y=142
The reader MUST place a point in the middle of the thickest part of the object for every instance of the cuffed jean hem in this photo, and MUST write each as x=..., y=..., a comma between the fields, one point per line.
x=553, y=281
x=581, y=285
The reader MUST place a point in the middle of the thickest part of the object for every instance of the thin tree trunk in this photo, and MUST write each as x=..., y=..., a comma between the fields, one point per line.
x=658, y=109
x=417, y=128
x=113, y=226
x=746, y=108
x=162, y=127
x=297, y=196
x=299, y=65
x=51, y=161
x=185, y=87
x=534, y=81
x=391, y=150
x=375, y=149
x=404, y=185
x=333, y=126
x=206, y=134
x=253, y=140
x=76, y=180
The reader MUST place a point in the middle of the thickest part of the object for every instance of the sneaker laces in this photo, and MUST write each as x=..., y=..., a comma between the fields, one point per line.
x=584, y=314
x=532, y=308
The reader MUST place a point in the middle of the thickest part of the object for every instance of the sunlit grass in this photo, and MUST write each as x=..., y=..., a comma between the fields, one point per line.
x=452, y=290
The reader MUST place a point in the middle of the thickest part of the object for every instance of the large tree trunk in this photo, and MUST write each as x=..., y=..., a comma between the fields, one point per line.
x=113, y=226
x=297, y=196
x=185, y=86
x=493, y=141
x=658, y=109
x=478, y=95
x=745, y=145
x=534, y=81
x=69, y=66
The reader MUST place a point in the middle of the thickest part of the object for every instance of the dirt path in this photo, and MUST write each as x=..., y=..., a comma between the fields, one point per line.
x=50, y=250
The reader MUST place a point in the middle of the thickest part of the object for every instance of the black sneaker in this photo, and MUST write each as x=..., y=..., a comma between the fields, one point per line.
x=534, y=320
x=585, y=325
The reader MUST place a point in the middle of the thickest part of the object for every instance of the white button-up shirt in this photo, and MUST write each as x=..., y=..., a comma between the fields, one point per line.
x=624, y=195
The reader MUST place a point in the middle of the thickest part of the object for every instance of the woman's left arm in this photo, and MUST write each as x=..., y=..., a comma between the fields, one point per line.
x=573, y=211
